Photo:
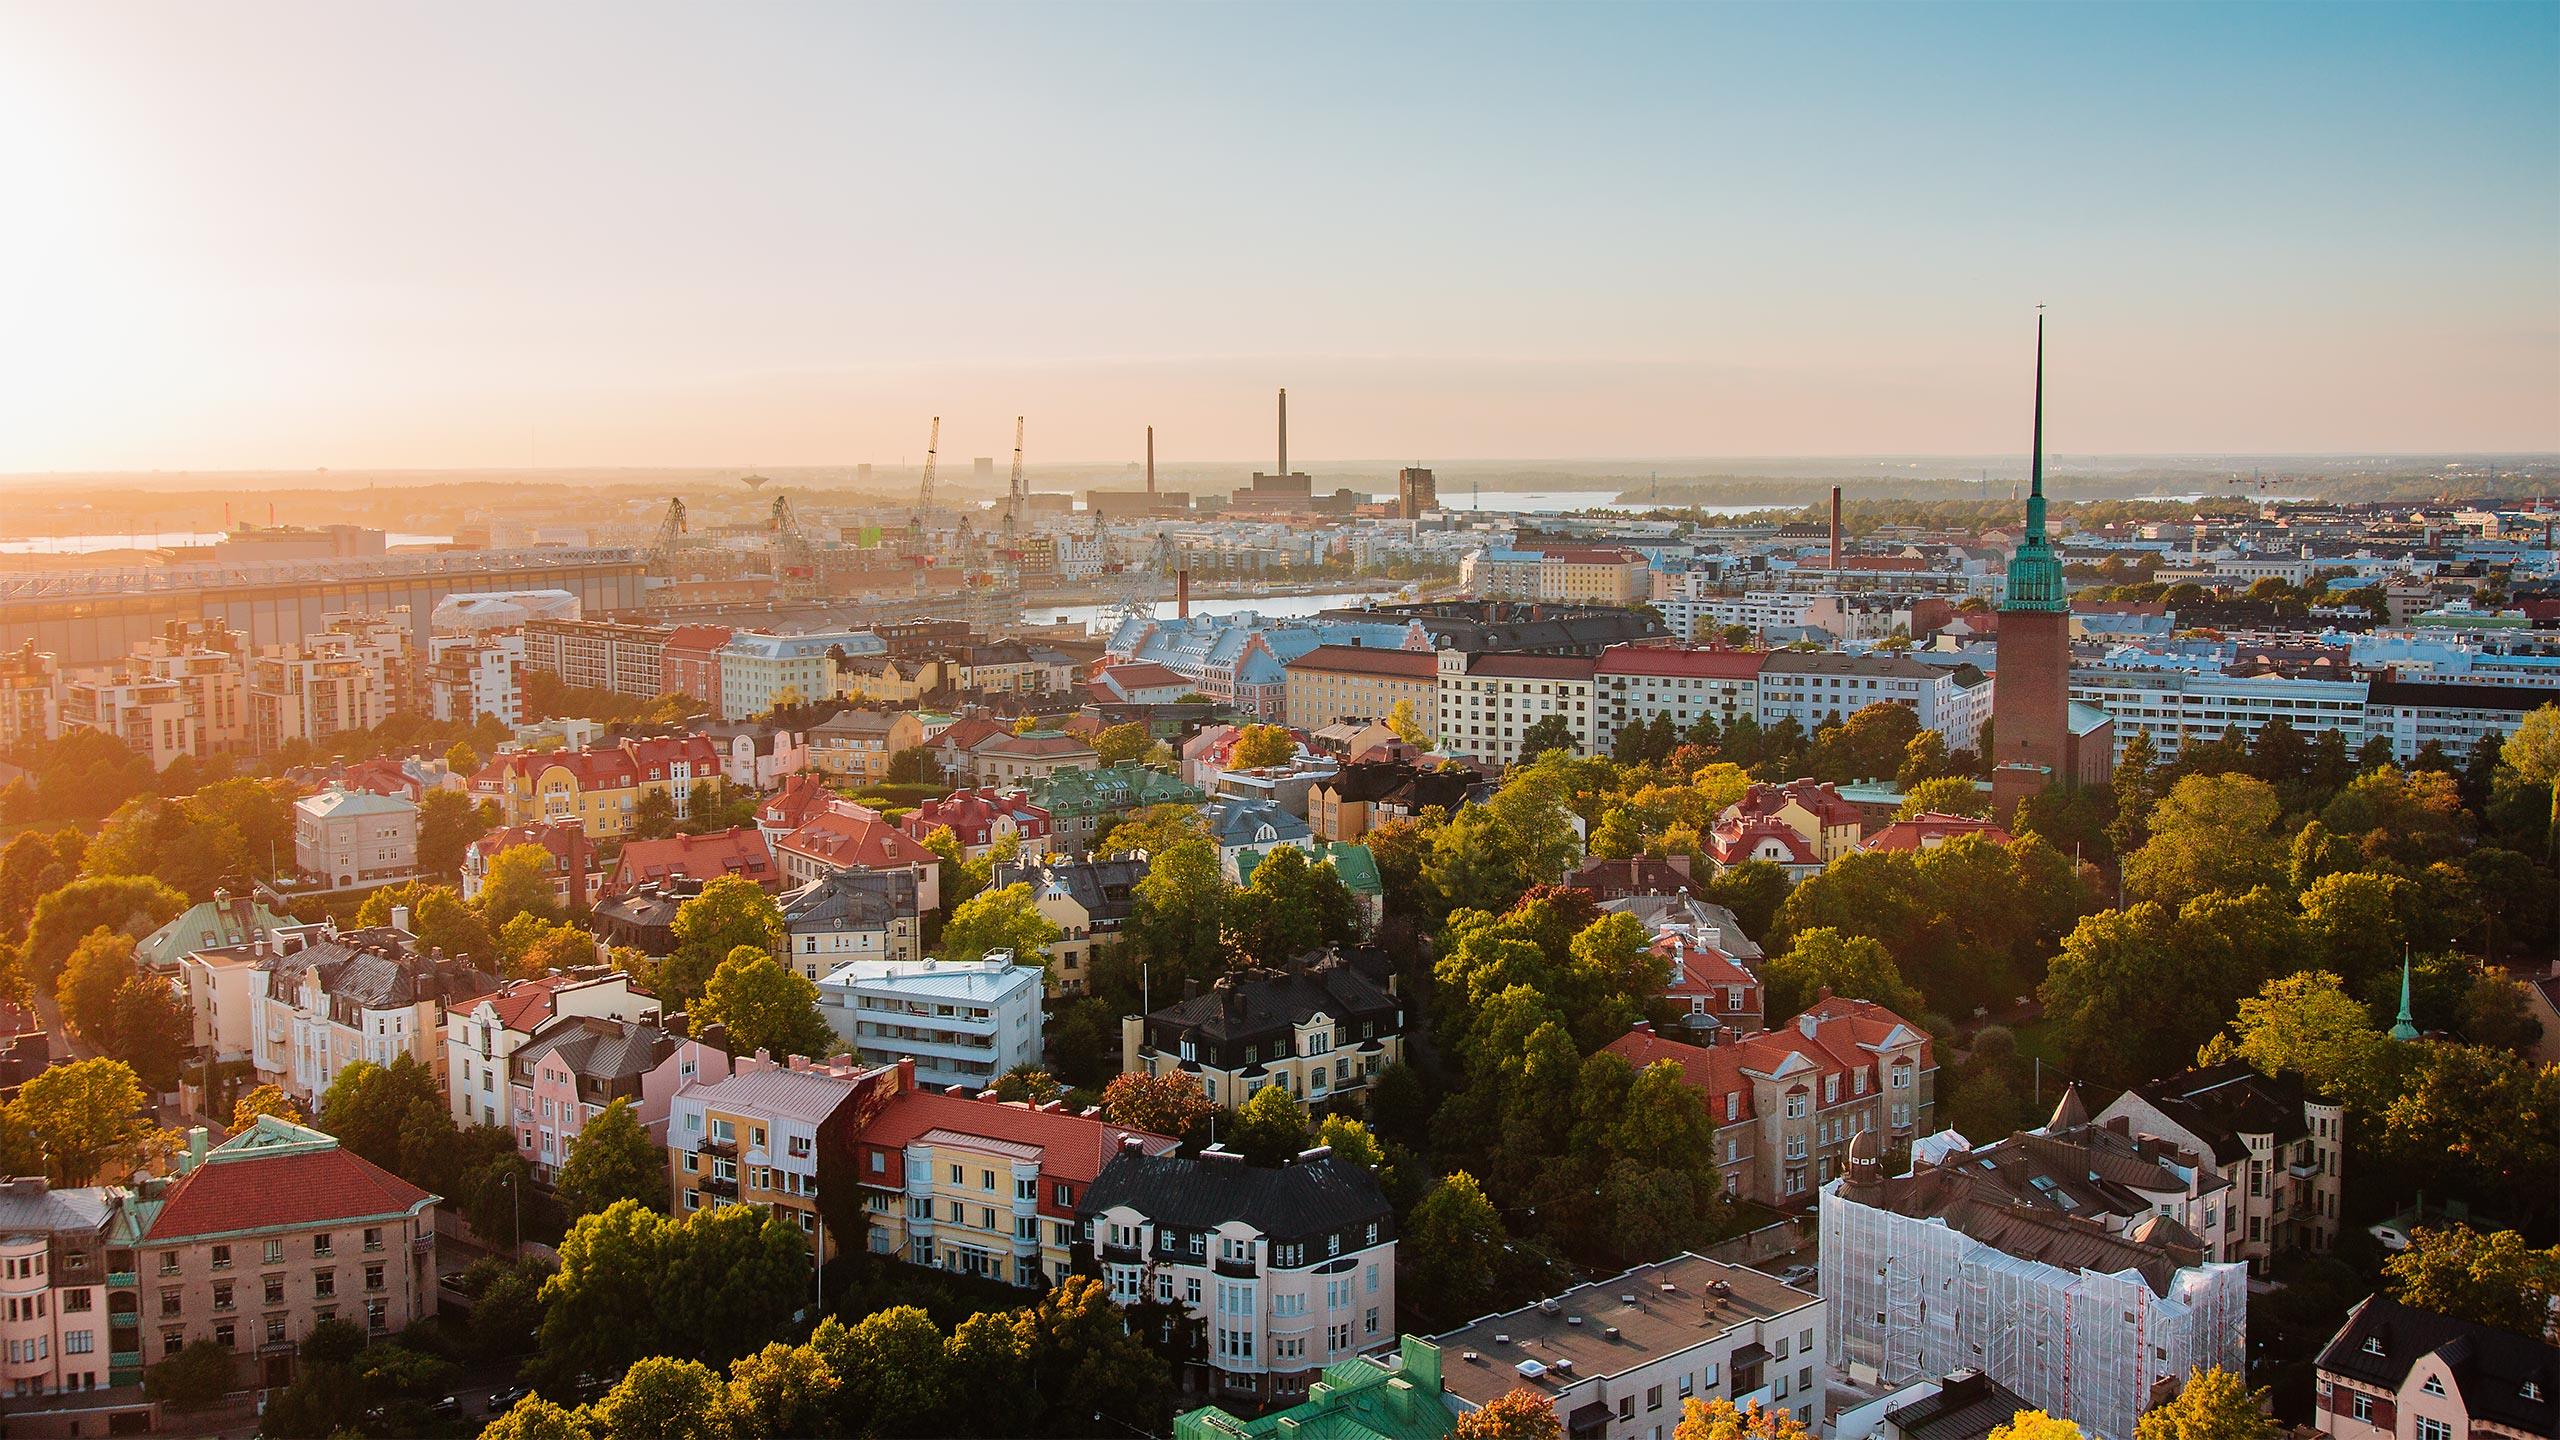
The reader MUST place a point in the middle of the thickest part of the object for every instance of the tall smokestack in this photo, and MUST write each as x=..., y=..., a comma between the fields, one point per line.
x=1284, y=429
x=1835, y=529
x=1151, y=459
x=1182, y=593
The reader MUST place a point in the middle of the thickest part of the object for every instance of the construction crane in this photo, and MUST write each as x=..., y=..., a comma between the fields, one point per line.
x=915, y=546
x=1139, y=580
x=1013, y=497
x=661, y=554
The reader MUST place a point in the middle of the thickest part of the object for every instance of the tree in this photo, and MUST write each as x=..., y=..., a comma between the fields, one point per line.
x=448, y=821
x=1719, y=1420
x=2307, y=1025
x=991, y=920
x=1258, y=746
x=460, y=759
x=781, y=1390
x=654, y=818
x=2215, y=1405
x=1153, y=829
x=1945, y=795
x=393, y=1115
x=731, y=911
x=132, y=905
x=1122, y=743
x=1552, y=732
x=1519, y=1413
x=1167, y=1104
x=191, y=1379
x=1852, y=966
x=2490, y=1279
x=2137, y=789
x=1457, y=1244
x=1272, y=1127
x=597, y=1310
x=666, y=1399
x=2034, y=1425
x=518, y=883
x=546, y=947
x=766, y=1006
x=149, y=1028
x=1290, y=906
x=81, y=1116
x=1027, y=1084
x=612, y=1158
x=534, y=1418
x=1408, y=725
x=2533, y=752
x=99, y=966
x=2212, y=832
x=1177, y=913
x=265, y=1100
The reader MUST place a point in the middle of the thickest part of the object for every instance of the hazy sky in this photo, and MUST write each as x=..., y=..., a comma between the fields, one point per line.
x=458, y=234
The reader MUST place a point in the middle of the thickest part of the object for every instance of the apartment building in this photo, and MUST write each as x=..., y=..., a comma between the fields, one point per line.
x=483, y=1032
x=599, y=787
x=983, y=1187
x=54, y=1325
x=1359, y=797
x=2395, y=1372
x=185, y=692
x=2277, y=1151
x=2176, y=706
x=1814, y=809
x=982, y=819
x=1252, y=828
x=28, y=711
x=1083, y=805
x=370, y=994
x=1711, y=986
x=1018, y=760
x=963, y=1022
x=273, y=1232
x=1788, y=1103
x=1596, y=575
x=850, y=915
x=1633, y=684
x=1287, y=1269
x=850, y=837
x=600, y=655
x=474, y=676
x=577, y=1065
x=1943, y=1269
x=1321, y=1029
x=571, y=865
x=1334, y=683
x=1619, y=1357
x=754, y=1136
x=690, y=663
x=2454, y=717
x=344, y=839
x=1489, y=703
x=313, y=695
x=857, y=744
x=1500, y=573
x=1089, y=902
x=711, y=855
x=1813, y=687
x=759, y=671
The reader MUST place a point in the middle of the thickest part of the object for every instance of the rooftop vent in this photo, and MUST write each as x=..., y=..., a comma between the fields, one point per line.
x=1670, y=1289
x=1573, y=1319
x=1471, y=1357
x=1549, y=1306
x=1611, y=1332
x=1501, y=1339
x=1626, y=1299
x=1565, y=1365
x=1530, y=1370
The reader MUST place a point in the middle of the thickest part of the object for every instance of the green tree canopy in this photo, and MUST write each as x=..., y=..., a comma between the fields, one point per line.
x=766, y=1006
x=731, y=911
x=1006, y=919
x=612, y=1158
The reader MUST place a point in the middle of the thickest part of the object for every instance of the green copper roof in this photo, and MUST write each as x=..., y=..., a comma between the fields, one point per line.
x=2035, y=571
x=2406, y=1027
x=1358, y=1399
x=1124, y=786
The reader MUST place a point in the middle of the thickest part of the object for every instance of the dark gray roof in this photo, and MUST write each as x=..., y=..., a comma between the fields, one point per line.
x=599, y=1049
x=1968, y=1405
x=2219, y=1104
x=851, y=899
x=1306, y=1197
x=375, y=968
x=1248, y=1003
x=31, y=1207
x=2490, y=1367
x=1102, y=887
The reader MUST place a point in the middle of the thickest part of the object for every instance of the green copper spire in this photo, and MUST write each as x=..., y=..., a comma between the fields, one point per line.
x=2406, y=1027
x=2035, y=572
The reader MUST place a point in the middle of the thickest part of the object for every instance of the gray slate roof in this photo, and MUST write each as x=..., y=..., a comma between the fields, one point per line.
x=1308, y=1197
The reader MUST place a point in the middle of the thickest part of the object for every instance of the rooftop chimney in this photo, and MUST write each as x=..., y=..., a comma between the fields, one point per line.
x=1835, y=530
x=399, y=917
x=1182, y=593
x=1284, y=429
x=1151, y=459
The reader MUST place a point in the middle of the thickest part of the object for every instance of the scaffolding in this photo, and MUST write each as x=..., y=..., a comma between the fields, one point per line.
x=1911, y=1298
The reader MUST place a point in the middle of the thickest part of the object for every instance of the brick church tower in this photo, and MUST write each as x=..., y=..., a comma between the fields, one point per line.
x=2031, y=744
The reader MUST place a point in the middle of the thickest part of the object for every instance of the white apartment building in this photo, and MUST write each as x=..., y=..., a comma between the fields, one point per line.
x=1635, y=683
x=759, y=671
x=2413, y=715
x=347, y=838
x=1617, y=1357
x=963, y=1022
x=2175, y=706
x=1810, y=687
x=1489, y=702
x=1287, y=1270
x=2277, y=1153
x=474, y=675
x=368, y=994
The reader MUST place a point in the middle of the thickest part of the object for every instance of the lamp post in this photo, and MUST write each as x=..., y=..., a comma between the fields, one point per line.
x=515, y=1229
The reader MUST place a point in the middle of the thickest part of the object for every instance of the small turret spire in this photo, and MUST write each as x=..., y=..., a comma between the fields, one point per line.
x=2035, y=462
x=2406, y=1027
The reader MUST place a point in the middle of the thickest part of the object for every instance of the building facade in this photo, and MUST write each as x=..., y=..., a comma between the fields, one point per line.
x=1490, y=703
x=962, y=1022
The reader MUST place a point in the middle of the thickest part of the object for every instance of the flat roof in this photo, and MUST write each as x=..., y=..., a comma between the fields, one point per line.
x=1657, y=1310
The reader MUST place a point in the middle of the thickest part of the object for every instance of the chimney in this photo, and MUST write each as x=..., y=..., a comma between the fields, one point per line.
x=197, y=1140
x=399, y=917
x=1151, y=459
x=1808, y=1023
x=1182, y=593
x=1284, y=429
x=1835, y=530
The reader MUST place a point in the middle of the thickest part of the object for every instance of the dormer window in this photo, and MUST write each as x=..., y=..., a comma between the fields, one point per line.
x=2532, y=1391
x=2373, y=1344
x=2434, y=1385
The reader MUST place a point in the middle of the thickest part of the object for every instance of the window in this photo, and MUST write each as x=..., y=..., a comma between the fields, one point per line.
x=2430, y=1428
x=2434, y=1385
x=373, y=1277
x=221, y=1299
x=373, y=1237
x=221, y=1257
x=320, y=1246
x=274, y=1252
x=2360, y=1405
x=1653, y=1397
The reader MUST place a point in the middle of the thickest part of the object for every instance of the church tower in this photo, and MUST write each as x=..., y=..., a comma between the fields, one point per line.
x=2031, y=693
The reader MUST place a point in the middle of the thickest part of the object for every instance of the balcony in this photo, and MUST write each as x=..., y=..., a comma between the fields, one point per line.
x=714, y=1185
x=1235, y=1269
x=2303, y=1169
x=710, y=1146
x=1120, y=1254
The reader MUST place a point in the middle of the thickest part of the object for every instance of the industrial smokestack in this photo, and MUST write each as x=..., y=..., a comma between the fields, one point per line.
x=1284, y=429
x=1835, y=529
x=1151, y=459
x=1182, y=593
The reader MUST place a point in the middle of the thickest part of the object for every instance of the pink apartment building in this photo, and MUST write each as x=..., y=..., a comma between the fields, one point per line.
x=567, y=1074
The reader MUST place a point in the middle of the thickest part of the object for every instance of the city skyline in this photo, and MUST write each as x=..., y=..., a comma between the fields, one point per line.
x=490, y=239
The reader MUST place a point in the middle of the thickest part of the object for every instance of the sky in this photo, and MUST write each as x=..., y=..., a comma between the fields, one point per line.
x=462, y=234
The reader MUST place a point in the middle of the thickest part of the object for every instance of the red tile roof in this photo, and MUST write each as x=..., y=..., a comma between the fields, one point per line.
x=1369, y=660
x=1073, y=1148
x=291, y=1189
x=702, y=638
x=1845, y=1035
x=968, y=731
x=1817, y=796
x=1680, y=663
x=741, y=851
x=1734, y=841
x=801, y=797
x=1145, y=675
x=861, y=841
x=1714, y=1069
x=1698, y=968
x=1932, y=828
